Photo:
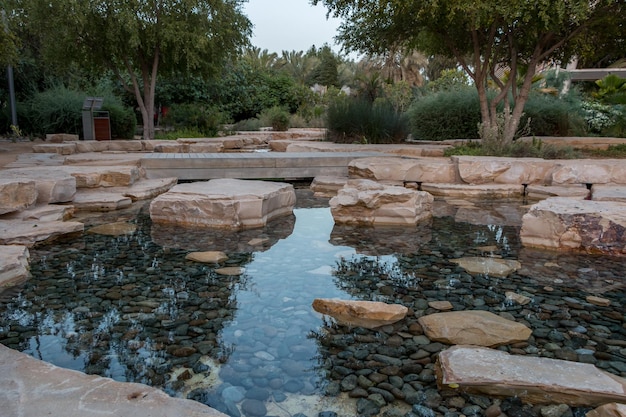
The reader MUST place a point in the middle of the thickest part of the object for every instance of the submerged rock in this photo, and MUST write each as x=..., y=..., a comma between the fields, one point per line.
x=495, y=267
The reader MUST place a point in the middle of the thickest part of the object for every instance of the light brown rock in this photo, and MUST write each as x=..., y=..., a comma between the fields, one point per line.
x=14, y=265
x=608, y=192
x=146, y=189
x=478, y=327
x=534, y=380
x=16, y=195
x=486, y=169
x=441, y=305
x=486, y=191
x=43, y=213
x=58, y=148
x=113, y=229
x=588, y=171
x=207, y=257
x=231, y=271
x=325, y=186
x=369, y=203
x=32, y=388
x=517, y=298
x=30, y=233
x=367, y=314
x=61, y=137
x=100, y=200
x=540, y=192
x=53, y=185
x=102, y=176
x=565, y=224
x=494, y=267
x=608, y=410
x=599, y=301
x=431, y=170
x=224, y=203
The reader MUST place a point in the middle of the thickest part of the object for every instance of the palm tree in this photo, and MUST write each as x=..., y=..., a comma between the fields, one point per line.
x=298, y=64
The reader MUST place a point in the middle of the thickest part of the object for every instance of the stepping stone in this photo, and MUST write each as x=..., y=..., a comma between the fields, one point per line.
x=325, y=186
x=480, y=328
x=100, y=200
x=146, y=189
x=368, y=203
x=30, y=233
x=367, y=314
x=224, y=203
x=43, y=213
x=53, y=184
x=494, y=267
x=605, y=192
x=14, y=265
x=540, y=192
x=483, y=371
x=487, y=191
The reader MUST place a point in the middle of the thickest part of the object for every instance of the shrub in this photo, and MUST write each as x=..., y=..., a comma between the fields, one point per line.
x=247, y=125
x=194, y=116
x=356, y=120
x=277, y=117
x=446, y=115
x=552, y=116
x=518, y=149
x=59, y=110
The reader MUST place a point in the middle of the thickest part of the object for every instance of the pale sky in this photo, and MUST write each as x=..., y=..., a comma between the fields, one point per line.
x=290, y=25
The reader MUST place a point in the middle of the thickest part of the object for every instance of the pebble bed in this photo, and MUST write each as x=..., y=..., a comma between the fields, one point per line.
x=133, y=309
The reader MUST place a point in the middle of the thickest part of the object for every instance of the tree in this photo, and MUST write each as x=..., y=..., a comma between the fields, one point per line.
x=138, y=39
x=326, y=72
x=493, y=33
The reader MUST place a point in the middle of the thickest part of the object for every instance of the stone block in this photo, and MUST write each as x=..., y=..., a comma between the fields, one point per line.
x=608, y=192
x=365, y=202
x=224, y=203
x=482, y=191
x=61, y=137
x=58, y=148
x=326, y=186
x=53, y=184
x=486, y=169
x=31, y=233
x=566, y=224
x=16, y=194
x=431, y=170
x=100, y=200
x=540, y=192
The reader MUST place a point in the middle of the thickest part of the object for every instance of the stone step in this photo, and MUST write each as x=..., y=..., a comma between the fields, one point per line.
x=31, y=233
x=14, y=266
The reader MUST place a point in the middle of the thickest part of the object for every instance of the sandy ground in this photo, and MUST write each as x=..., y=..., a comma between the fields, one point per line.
x=10, y=150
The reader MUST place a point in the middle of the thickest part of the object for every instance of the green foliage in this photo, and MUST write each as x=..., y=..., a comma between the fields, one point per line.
x=326, y=72
x=450, y=79
x=612, y=90
x=277, y=117
x=352, y=120
x=195, y=117
x=446, y=115
x=614, y=151
x=253, y=124
x=517, y=149
x=553, y=116
x=602, y=118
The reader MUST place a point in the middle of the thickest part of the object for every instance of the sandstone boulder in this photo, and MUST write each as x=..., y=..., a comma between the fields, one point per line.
x=100, y=200
x=486, y=191
x=30, y=233
x=606, y=192
x=480, y=328
x=43, y=213
x=486, y=169
x=103, y=176
x=30, y=387
x=534, y=380
x=14, y=265
x=16, y=195
x=326, y=186
x=146, y=189
x=386, y=168
x=540, y=192
x=365, y=202
x=61, y=137
x=367, y=314
x=494, y=267
x=567, y=224
x=224, y=203
x=53, y=185
x=588, y=171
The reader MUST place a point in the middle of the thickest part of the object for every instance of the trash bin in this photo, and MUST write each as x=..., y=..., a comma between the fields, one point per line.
x=96, y=123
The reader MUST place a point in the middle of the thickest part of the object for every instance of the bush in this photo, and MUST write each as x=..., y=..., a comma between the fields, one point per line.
x=277, y=117
x=59, y=110
x=194, y=116
x=356, y=120
x=247, y=125
x=552, y=116
x=518, y=149
x=446, y=115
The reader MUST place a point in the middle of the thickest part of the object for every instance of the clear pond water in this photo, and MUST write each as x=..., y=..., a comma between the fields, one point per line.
x=132, y=308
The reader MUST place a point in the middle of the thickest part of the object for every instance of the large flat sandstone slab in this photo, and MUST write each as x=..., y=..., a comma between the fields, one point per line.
x=365, y=202
x=53, y=184
x=568, y=224
x=223, y=203
x=16, y=194
x=478, y=327
x=534, y=380
x=431, y=170
x=489, y=191
x=32, y=388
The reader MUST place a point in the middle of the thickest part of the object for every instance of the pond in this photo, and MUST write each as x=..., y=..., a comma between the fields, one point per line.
x=132, y=308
